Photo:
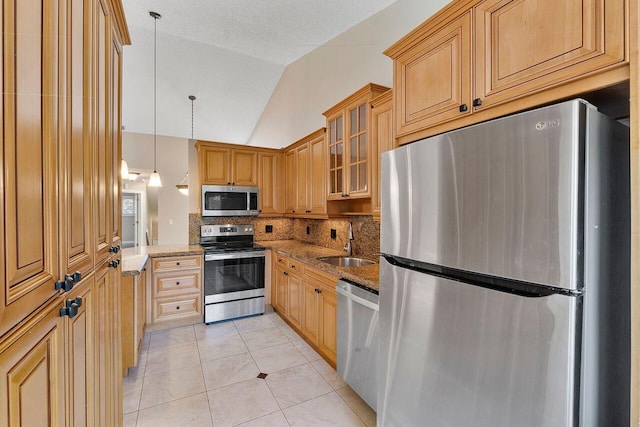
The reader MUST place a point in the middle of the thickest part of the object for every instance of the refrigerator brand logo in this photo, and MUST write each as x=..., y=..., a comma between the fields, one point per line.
x=547, y=124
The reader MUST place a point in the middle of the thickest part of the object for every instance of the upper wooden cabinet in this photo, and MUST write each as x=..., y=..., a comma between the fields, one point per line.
x=306, y=171
x=525, y=46
x=480, y=59
x=221, y=165
x=381, y=141
x=435, y=77
x=270, y=183
x=349, y=144
x=28, y=160
x=230, y=164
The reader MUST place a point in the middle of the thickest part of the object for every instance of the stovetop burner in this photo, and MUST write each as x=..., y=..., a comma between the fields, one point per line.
x=228, y=238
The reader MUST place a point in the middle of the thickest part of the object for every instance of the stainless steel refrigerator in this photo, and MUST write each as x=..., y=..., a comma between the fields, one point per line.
x=504, y=277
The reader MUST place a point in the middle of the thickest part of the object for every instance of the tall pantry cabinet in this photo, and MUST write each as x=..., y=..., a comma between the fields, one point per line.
x=60, y=153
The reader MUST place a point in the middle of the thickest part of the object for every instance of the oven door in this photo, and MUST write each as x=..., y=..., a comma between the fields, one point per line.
x=233, y=276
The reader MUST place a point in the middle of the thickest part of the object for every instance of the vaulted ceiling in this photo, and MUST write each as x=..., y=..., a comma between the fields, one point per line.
x=230, y=54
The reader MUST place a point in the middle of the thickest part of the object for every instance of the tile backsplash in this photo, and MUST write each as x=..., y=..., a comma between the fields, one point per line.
x=366, y=231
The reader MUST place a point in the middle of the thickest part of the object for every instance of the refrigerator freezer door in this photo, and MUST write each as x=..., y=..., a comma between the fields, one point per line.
x=499, y=198
x=453, y=354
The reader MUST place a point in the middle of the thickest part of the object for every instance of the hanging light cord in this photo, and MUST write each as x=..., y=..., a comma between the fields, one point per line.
x=155, y=79
x=192, y=98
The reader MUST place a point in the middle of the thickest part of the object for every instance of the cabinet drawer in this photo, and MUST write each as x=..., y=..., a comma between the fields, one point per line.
x=294, y=266
x=176, y=263
x=325, y=278
x=282, y=261
x=176, y=283
x=172, y=308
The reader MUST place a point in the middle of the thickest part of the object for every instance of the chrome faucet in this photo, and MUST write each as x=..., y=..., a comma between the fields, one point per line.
x=348, y=247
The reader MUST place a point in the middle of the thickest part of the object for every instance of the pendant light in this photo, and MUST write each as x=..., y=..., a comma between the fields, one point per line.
x=124, y=169
x=154, y=179
x=183, y=185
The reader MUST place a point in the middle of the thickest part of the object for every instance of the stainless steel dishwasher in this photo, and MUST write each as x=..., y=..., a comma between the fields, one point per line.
x=358, y=339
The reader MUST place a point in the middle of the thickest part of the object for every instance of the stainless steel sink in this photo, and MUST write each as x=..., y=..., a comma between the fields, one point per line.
x=345, y=261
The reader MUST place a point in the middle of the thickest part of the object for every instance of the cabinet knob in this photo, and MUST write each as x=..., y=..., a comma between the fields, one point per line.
x=177, y=307
x=228, y=183
x=463, y=108
x=70, y=310
x=77, y=276
x=285, y=273
x=477, y=102
x=293, y=210
x=178, y=263
x=178, y=283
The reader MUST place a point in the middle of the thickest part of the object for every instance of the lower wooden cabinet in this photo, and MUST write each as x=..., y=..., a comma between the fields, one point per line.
x=176, y=291
x=62, y=366
x=32, y=371
x=306, y=298
x=133, y=313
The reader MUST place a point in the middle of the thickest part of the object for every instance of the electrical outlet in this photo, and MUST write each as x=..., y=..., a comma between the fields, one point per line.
x=268, y=228
x=308, y=229
x=333, y=233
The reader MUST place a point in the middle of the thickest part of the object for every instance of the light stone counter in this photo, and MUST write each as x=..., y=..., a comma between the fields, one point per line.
x=134, y=259
x=367, y=276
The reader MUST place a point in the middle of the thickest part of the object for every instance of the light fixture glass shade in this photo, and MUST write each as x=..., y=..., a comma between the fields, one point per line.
x=154, y=180
x=133, y=176
x=184, y=189
x=124, y=169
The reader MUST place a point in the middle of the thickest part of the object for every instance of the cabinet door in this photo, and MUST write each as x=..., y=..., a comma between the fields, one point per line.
x=115, y=139
x=318, y=176
x=244, y=167
x=215, y=165
x=302, y=179
x=79, y=358
x=29, y=235
x=76, y=167
x=382, y=141
x=269, y=187
x=336, y=157
x=294, y=288
x=107, y=358
x=281, y=291
x=32, y=372
x=358, y=150
x=327, y=315
x=103, y=169
x=309, y=324
x=291, y=184
x=527, y=45
x=433, y=78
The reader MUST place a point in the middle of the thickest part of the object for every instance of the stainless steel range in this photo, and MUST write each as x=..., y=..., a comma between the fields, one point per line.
x=233, y=272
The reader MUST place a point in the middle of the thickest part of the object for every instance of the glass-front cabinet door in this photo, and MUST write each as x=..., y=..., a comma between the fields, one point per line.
x=349, y=151
x=358, y=151
x=336, y=157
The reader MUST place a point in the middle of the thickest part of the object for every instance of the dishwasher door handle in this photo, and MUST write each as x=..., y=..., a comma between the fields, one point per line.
x=357, y=299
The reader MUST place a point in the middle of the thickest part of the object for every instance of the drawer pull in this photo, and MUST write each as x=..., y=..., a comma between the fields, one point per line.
x=177, y=307
x=178, y=283
x=178, y=263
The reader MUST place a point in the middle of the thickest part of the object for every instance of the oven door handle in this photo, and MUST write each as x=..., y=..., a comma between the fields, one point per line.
x=234, y=255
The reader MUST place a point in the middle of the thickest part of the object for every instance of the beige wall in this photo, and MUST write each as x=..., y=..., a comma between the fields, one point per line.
x=334, y=70
x=173, y=207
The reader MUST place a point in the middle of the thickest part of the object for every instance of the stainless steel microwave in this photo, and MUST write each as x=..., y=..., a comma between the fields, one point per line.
x=229, y=200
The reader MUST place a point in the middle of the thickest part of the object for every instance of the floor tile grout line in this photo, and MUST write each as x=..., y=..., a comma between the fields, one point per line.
x=204, y=381
x=174, y=400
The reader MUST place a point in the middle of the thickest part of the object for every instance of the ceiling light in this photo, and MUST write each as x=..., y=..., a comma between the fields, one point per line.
x=154, y=180
x=183, y=185
x=124, y=169
x=132, y=176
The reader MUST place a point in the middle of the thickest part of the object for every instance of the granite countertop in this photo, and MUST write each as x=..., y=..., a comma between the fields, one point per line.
x=367, y=276
x=134, y=259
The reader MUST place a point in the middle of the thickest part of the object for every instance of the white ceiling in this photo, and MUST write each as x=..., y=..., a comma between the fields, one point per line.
x=230, y=54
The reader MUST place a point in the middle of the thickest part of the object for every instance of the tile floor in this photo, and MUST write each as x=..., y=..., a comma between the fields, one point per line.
x=207, y=376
